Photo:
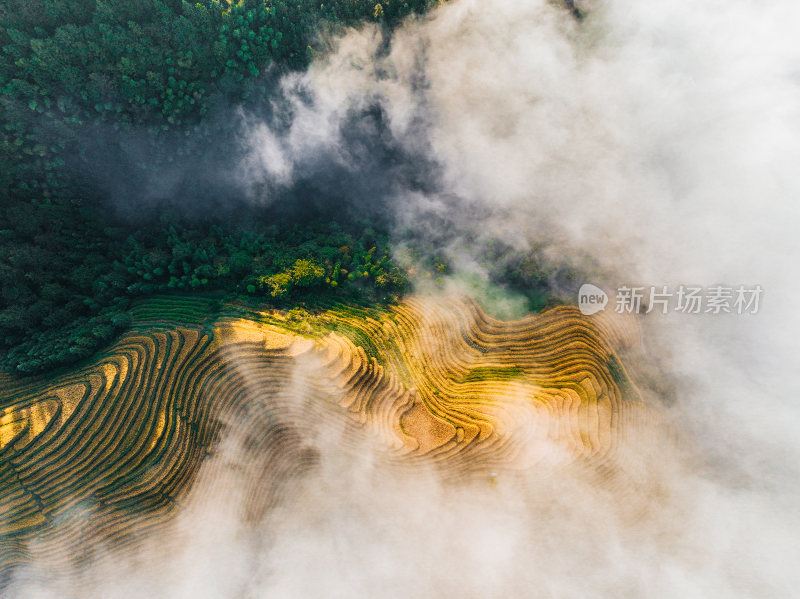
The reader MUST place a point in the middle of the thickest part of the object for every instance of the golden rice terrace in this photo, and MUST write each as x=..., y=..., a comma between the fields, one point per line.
x=120, y=441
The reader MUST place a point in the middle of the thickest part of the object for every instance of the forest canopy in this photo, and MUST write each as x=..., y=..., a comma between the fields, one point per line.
x=71, y=72
x=98, y=96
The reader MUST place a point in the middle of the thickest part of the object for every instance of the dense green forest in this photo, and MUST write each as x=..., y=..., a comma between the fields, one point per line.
x=73, y=71
x=83, y=82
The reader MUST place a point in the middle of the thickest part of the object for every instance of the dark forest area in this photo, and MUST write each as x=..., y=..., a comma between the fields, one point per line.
x=120, y=130
x=86, y=84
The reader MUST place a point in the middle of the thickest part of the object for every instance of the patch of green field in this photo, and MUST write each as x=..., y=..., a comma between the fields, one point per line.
x=168, y=310
x=487, y=373
x=620, y=377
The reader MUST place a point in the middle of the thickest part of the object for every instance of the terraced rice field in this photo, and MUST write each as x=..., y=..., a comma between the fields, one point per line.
x=108, y=452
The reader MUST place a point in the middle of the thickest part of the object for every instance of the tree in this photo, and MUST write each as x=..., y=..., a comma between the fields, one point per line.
x=306, y=273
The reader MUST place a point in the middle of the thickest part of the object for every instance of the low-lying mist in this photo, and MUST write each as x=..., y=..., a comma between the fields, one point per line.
x=647, y=143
